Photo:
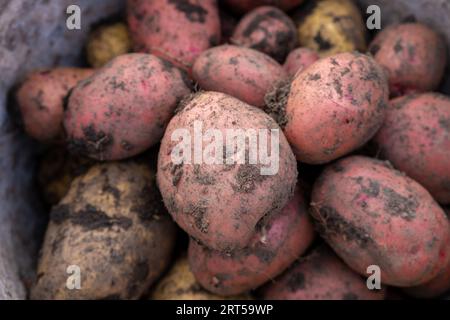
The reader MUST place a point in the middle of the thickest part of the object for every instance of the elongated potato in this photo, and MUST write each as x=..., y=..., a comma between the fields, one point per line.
x=175, y=30
x=110, y=229
x=41, y=99
x=335, y=107
x=274, y=247
x=371, y=214
x=321, y=275
x=123, y=108
x=415, y=137
x=212, y=189
x=331, y=26
x=180, y=284
x=241, y=72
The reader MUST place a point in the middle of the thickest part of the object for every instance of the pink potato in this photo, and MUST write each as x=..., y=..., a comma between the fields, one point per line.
x=175, y=30
x=124, y=107
x=320, y=276
x=415, y=138
x=299, y=59
x=241, y=6
x=212, y=190
x=372, y=214
x=41, y=100
x=413, y=54
x=273, y=248
x=241, y=72
x=267, y=29
x=335, y=107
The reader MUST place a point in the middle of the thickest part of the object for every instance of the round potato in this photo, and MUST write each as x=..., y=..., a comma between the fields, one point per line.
x=216, y=190
x=299, y=59
x=415, y=138
x=371, y=214
x=112, y=231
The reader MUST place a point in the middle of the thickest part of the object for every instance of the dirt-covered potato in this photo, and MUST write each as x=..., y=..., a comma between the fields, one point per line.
x=334, y=107
x=107, y=42
x=112, y=228
x=41, y=99
x=180, y=284
x=414, y=56
x=331, y=26
x=219, y=190
x=415, y=138
x=276, y=245
x=124, y=107
x=267, y=29
x=321, y=275
x=372, y=214
x=56, y=171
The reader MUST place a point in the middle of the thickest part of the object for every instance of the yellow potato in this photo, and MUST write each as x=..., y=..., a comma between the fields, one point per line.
x=107, y=42
x=331, y=26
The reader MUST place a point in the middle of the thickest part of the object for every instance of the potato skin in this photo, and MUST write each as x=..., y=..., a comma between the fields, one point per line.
x=371, y=214
x=299, y=59
x=123, y=108
x=175, y=30
x=180, y=284
x=242, y=6
x=112, y=225
x=320, y=276
x=41, y=100
x=241, y=72
x=267, y=29
x=413, y=54
x=107, y=42
x=220, y=204
x=335, y=107
x=415, y=138
x=282, y=240
x=330, y=27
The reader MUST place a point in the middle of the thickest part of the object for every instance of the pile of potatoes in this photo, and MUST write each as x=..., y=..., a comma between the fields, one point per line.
x=362, y=147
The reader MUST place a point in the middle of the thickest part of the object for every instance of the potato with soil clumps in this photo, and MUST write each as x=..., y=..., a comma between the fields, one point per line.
x=123, y=108
x=321, y=275
x=414, y=55
x=223, y=167
x=299, y=59
x=41, y=99
x=113, y=227
x=242, y=6
x=267, y=29
x=57, y=169
x=277, y=244
x=180, y=284
x=175, y=30
x=331, y=26
x=334, y=107
x=107, y=42
x=372, y=214
x=241, y=72
x=415, y=138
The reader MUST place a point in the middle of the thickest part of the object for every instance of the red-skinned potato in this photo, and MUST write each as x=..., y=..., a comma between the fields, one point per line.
x=320, y=276
x=176, y=30
x=267, y=29
x=242, y=6
x=123, y=108
x=414, y=55
x=41, y=100
x=299, y=59
x=241, y=72
x=222, y=199
x=415, y=138
x=372, y=214
x=335, y=107
x=273, y=248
